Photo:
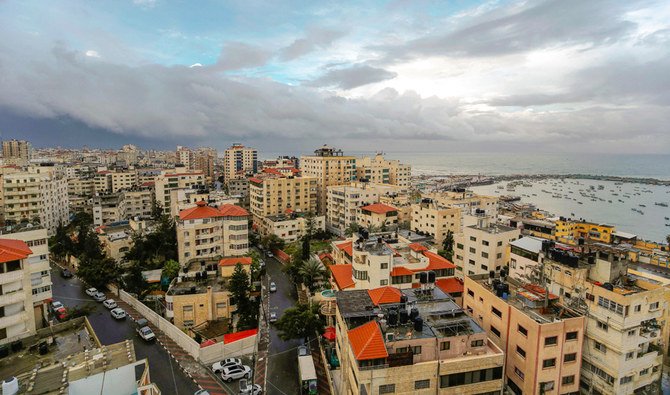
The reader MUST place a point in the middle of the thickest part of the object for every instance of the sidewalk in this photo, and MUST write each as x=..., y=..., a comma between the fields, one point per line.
x=193, y=369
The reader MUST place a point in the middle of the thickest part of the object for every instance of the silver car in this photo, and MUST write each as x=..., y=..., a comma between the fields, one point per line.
x=236, y=372
x=118, y=313
x=99, y=297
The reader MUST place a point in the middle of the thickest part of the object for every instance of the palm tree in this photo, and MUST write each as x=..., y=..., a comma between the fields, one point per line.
x=312, y=271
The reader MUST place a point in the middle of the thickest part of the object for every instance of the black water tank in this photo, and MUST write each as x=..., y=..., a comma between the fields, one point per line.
x=418, y=324
x=500, y=289
x=580, y=241
x=423, y=277
x=492, y=273
x=413, y=313
x=403, y=316
x=431, y=277
x=608, y=286
x=392, y=318
x=403, y=298
x=592, y=260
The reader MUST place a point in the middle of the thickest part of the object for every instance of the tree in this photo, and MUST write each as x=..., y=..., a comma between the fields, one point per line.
x=305, y=248
x=170, y=269
x=61, y=244
x=272, y=242
x=98, y=272
x=134, y=281
x=448, y=245
x=352, y=229
x=239, y=288
x=311, y=273
x=300, y=322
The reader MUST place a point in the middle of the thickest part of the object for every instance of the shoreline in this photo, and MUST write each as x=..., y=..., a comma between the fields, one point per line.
x=491, y=179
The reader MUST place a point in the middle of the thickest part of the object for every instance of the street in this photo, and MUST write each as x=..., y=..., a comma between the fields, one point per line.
x=164, y=371
x=283, y=373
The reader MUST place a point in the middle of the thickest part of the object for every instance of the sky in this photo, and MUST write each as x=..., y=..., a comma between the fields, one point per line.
x=423, y=76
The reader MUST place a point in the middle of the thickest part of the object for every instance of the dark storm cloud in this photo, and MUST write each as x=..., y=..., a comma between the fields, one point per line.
x=353, y=77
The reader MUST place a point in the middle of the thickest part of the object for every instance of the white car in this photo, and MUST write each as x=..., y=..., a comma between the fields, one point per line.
x=273, y=316
x=302, y=351
x=273, y=287
x=236, y=372
x=55, y=305
x=247, y=388
x=146, y=333
x=271, y=255
x=110, y=304
x=99, y=297
x=219, y=366
x=118, y=313
x=91, y=291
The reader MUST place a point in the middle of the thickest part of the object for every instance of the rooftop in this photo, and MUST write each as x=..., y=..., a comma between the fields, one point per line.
x=493, y=228
x=13, y=250
x=379, y=208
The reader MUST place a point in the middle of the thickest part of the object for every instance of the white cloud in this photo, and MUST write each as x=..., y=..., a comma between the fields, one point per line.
x=92, y=54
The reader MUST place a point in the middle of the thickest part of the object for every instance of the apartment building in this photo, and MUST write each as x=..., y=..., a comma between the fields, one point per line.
x=466, y=200
x=81, y=187
x=181, y=199
x=623, y=348
x=128, y=154
x=38, y=193
x=431, y=218
x=412, y=341
x=184, y=157
x=136, y=202
x=200, y=294
x=178, y=178
x=239, y=161
x=330, y=167
x=370, y=263
x=204, y=160
x=344, y=202
x=290, y=226
x=4, y=170
x=483, y=247
x=206, y=232
x=16, y=152
x=17, y=316
x=542, y=338
x=378, y=216
x=379, y=170
x=274, y=194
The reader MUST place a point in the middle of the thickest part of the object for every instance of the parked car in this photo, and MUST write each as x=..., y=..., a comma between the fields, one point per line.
x=270, y=254
x=273, y=316
x=236, y=372
x=55, y=305
x=110, y=304
x=118, y=313
x=61, y=313
x=201, y=392
x=246, y=388
x=273, y=287
x=99, y=297
x=65, y=273
x=91, y=291
x=144, y=331
x=302, y=351
x=219, y=366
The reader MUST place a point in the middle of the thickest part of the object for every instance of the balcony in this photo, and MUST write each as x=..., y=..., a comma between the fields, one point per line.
x=13, y=297
x=16, y=275
x=13, y=319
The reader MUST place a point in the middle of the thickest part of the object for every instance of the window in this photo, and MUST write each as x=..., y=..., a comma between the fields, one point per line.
x=644, y=371
x=473, y=377
x=522, y=330
x=473, y=238
x=472, y=250
x=383, y=282
x=188, y=308
x=484, y=242
x=416, y=350
x=444, y=346
x=602, y=326
x=499, y=255
x=547, y=385
x=630, y=355
x=519, y=373
x=521, y=351
x=421, y=384
x=626, y=380
x=571, y=336
x=600, y=347
x=459, y=246
x=496, y=312
x=549, y=363
x=471, y=293
x=653, y=306
x=495, y=331
x=385, y=265
x=632, y=332
x=638, y=308
x=387, y=389
x=550, y=341
x=570, y=357
x=611, y=305
x=500, y=244
x=485, y=254
x=477, y=343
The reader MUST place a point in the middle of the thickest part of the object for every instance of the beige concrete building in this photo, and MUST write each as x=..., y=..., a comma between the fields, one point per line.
x=483, y=247
x=378, y=216
x=330, y=167
x=344, y=202
x=16, y=152
x=182, y=199
x=436, y=220
x=184, y=157
x=84, y=187
x=290, y=227
x=204, y=160
x=172, y=179
x=239, y=161
x=542, y=339
x=39, y=192
x=416, y=347
x=191, y=301
x=379, y=170
x=205, y=232
x=273, y=195
x=4, y=170
x=467, y=201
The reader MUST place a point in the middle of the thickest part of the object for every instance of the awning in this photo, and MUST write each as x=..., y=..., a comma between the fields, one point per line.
x=329, y=334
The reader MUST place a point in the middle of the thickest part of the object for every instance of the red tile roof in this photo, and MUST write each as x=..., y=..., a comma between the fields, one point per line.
x=367, y=342
x=200, y=211
x=384, y=295
x=13, y=250
x=379, y=208
x=231, y=210
x=436, y=262
x=416, y=247
x=242, y=260
x=273, y=171
x=343, y=276
x=326, y=258
x=401, y=271
x=235, y=336
x=449, y=285
x=346, y=247
x=197, y=173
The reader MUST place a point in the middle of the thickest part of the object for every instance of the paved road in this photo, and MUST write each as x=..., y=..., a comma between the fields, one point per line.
x=282, y=375
x=164, y=371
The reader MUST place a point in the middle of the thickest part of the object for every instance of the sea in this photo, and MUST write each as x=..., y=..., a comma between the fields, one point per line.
x=651, y=225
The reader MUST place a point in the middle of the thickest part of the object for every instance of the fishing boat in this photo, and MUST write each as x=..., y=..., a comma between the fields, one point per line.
x=662, y=204
x=642, y=205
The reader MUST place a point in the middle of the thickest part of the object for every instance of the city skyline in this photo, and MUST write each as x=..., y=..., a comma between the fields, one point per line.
x=573, y=76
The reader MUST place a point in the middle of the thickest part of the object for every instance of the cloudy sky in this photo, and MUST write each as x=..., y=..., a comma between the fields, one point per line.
x=566, y=75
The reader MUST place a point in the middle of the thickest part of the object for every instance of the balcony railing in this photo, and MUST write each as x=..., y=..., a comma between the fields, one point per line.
x=12, y=319
x=16, y=275
x=12, y=298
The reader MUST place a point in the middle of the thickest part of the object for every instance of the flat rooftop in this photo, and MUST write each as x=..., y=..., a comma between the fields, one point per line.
x=493, y=228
